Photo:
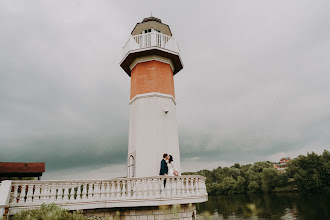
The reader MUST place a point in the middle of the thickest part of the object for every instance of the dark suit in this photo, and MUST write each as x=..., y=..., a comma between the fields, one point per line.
x=163, y=167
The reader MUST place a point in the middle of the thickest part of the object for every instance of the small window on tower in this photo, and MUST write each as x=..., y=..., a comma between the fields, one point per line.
x=147, y=31
x=131, y=167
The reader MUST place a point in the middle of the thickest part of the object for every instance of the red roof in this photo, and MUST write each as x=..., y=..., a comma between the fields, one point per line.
x=11, y=167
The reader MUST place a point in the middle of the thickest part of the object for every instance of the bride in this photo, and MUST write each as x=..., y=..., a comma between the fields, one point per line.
x=171, y=167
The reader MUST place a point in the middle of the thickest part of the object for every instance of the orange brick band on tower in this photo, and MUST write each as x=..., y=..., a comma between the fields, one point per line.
x=152, y=76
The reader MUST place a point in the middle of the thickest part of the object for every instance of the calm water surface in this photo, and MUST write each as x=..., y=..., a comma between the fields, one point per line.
x=267, y=206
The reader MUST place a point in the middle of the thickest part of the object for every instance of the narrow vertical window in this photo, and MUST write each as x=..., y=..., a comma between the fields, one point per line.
x=131, y=166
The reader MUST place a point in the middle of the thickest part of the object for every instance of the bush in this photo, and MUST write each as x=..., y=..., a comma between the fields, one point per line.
x=48, y=212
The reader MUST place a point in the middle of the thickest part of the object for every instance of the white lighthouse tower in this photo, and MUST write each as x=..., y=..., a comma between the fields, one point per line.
x=151, y=57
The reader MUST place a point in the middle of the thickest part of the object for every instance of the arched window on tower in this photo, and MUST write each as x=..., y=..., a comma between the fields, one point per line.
x=131, y=166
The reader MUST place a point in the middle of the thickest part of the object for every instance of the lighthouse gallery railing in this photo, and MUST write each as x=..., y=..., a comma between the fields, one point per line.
x=148, y=40
x=120, y=192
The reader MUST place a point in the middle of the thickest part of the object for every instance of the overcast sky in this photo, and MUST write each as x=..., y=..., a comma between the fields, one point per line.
x=255, y=84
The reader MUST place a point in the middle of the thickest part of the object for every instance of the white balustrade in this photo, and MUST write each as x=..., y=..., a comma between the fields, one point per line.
x=28, y=194
x=152, y=39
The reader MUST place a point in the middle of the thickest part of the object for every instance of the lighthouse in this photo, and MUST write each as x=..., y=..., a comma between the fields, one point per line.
x=151, y=58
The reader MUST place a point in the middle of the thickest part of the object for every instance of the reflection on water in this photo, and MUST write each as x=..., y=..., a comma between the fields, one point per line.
x=266, y=206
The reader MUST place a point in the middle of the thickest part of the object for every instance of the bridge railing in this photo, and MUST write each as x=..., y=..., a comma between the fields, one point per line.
x=119, y=192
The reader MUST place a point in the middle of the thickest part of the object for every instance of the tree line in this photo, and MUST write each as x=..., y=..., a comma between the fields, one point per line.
x=304, y=173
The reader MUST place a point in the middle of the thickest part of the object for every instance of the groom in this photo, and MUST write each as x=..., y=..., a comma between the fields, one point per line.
x=163, y=165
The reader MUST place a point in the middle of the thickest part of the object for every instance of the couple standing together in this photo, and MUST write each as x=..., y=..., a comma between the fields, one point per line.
x=167, y=166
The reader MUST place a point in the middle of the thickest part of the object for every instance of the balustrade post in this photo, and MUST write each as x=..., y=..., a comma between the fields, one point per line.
x=149, y=187
x=36, y=196
x=156, y=188
x=43, y=195
x=112, y=189
x=168, y=187
x=53, y=188
x=186, y=186
x=118, y=190
x=60, y=191
x=134, y=187
x=48, y=192
x=123, y=189
x=162, y=187
x=92, y=186
x=192, y=189
x=75, y=195
x=66, y=192
x=99, y=187
x=183, y=192
x=15, y=196
x=94, y=190
x=195, y=186
x=204, y=188
x=174, y=180
x=103, y=190
x=139, y=188
x=178, y=186
x=142, y=187
x=152, y=188
x=199, y=186
x=29, y=193
x=71, y=191
x=107, y=190
x=173, y=186
x=129, y=189
x=189, y=186
x=83, y=191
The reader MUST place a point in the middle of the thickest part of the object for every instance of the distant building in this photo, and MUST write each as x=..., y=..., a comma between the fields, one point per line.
x=20, y=170
x=282, y=165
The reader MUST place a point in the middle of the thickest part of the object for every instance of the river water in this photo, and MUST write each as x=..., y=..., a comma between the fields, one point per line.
x=266, y=206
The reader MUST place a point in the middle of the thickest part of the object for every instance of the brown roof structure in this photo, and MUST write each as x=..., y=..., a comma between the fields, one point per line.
x=13, y=169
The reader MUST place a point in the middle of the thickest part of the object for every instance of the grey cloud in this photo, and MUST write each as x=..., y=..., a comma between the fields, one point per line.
x=255, y=80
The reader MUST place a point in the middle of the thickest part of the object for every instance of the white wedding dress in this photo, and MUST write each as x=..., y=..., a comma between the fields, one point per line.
x=171, y=168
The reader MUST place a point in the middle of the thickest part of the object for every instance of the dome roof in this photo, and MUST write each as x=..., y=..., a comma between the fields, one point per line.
x=151, y=23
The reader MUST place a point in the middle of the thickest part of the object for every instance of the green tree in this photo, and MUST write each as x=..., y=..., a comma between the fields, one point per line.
x=270, y=178
x=259, y=166
x=240, y=185
x=325, y=161
x=228, y=185
x=310, y=172
x=236, y=165
x=234, y=172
